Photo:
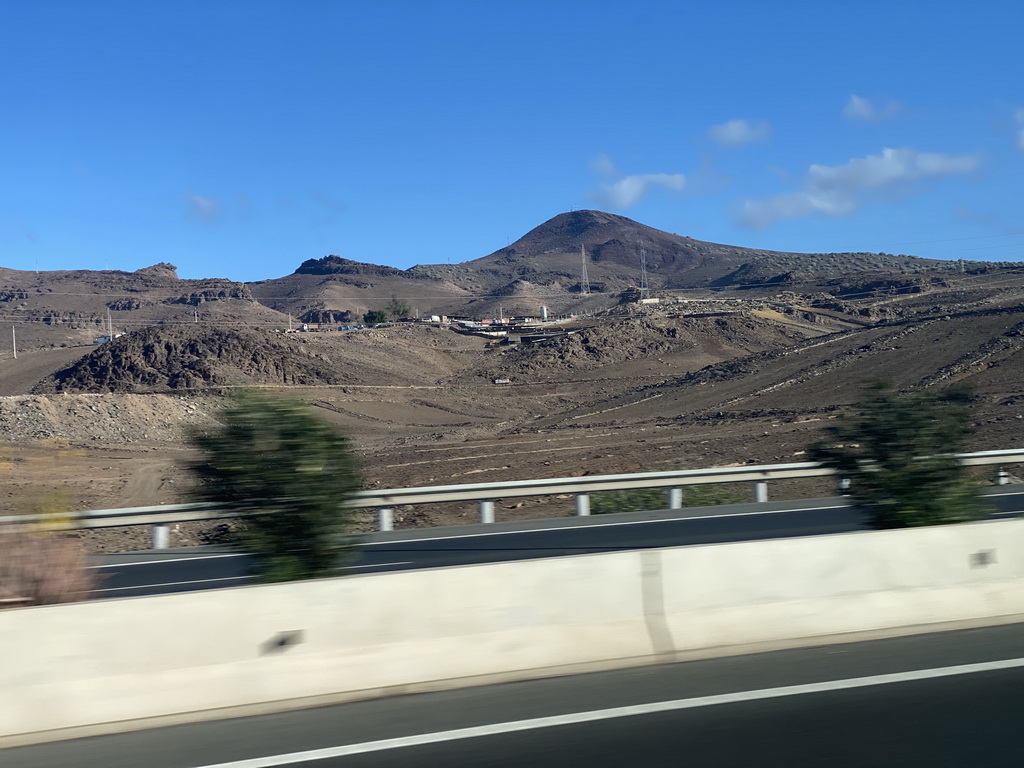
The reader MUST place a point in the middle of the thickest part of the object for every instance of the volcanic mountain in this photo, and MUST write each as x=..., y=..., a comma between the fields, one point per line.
x=613, y=247
x=545, y=267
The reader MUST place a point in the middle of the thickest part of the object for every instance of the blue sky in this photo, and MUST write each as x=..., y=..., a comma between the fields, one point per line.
x=237, y=139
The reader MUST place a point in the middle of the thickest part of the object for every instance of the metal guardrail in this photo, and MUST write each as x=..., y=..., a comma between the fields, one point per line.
x=485, y=494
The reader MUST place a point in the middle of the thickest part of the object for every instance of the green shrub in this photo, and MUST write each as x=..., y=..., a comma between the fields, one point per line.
x=897, y=451
x=398, y=308
x=643, y=499
x=289, y=473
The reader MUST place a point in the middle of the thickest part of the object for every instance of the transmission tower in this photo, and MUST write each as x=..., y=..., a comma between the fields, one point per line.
x=584, y=280
x=645, y=291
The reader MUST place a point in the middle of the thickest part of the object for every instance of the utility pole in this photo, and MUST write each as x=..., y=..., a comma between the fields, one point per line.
x=14, y=343
x=110, y=326
x=196, y=313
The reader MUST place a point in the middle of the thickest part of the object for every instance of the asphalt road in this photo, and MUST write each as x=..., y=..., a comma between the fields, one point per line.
x=932, y=700
x=183, y=570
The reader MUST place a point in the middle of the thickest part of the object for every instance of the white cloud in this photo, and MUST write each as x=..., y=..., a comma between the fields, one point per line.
x=602, y=165
x=988, y=220
x=859, y=108
x=332, y=207
x=630, y=190
x=840, y=189
x=204, y=209
x=736, y=133
x=1019, y=117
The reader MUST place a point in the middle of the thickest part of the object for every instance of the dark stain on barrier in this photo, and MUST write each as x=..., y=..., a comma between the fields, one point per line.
x=982, y=557
x=282, y=641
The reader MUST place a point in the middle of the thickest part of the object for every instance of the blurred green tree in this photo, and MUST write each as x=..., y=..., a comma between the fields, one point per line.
x=290, y=473
x=398, y=308
x=897, y=451
x=643, y=499
x=375, y=317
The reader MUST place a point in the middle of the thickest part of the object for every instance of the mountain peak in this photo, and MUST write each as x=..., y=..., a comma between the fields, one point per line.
x=163, y=269
x=568, y=231
x=336, y=265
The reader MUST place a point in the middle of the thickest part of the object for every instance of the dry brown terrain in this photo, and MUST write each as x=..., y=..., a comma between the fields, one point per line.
x=623, y=395
x=706, y=377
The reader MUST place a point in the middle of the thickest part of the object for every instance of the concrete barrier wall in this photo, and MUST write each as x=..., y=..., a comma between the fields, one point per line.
x=819, y=586
x=105, y=663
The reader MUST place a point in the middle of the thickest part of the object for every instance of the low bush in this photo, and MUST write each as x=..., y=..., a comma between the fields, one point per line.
x=42, y=569
x=289, y=473
x=898, y=449
x=642, y=499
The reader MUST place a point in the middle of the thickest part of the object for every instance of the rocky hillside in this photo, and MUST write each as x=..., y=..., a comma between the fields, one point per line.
x=683, y=341
x=112, y=419
x=816, y=377
x=194, y=358
x=550, y=254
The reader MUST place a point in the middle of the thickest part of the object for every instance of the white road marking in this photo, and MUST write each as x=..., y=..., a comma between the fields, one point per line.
x=573, y=718
x=380, y=565
x=596, y=525
x=171, y=560
x=173, y=584
x=222, y=578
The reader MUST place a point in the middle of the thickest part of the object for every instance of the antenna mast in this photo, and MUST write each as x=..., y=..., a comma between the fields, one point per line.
x=584, y=280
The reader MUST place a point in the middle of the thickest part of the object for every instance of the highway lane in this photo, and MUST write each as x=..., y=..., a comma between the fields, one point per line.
x=167, y=571
x=940, y=699
x=183, y=570
x=912, y=723
x=156, y=572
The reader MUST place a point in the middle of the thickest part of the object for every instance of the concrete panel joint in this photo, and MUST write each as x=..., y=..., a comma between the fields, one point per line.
x=653, y=594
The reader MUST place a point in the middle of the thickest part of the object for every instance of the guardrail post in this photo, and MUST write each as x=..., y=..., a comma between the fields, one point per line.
x=1002, y=476
x=486, y=511
x=844, y=486
x=675, y=498
x=582, y=504
x=387, y=519
x=760, y=490
x=161, y=536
